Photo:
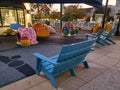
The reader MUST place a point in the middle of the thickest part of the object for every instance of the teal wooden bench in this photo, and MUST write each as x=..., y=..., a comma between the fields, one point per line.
x=70, y=56
x=97, y=36
x=106, y=37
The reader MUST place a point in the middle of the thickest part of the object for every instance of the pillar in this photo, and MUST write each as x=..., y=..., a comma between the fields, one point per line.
x=28, y=17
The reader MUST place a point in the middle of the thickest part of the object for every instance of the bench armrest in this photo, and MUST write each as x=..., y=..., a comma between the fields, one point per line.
x=56, y=56
x=42, y=57
x=90, y=35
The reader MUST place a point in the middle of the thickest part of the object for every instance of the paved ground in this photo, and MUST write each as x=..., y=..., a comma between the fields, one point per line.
x=103, y=74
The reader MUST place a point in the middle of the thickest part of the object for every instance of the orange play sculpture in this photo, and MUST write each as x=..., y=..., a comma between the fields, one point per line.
x=108, y=27
x=41, y=30
x=96, y=28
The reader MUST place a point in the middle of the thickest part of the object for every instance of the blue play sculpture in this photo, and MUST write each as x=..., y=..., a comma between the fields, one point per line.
x=15, y=26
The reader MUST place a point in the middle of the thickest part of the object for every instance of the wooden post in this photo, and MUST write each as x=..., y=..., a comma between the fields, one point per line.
x=117, y=33
x=60, y=16
x=103, y=22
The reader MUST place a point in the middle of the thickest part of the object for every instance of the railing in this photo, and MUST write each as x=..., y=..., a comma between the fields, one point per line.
x=85, y=25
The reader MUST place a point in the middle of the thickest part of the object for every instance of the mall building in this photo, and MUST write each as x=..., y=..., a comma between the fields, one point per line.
x=13, y=12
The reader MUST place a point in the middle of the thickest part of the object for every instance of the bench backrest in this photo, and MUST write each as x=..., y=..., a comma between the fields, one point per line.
x=73, y=50
x=15, y=26
x=112, y=31
x=100, y=33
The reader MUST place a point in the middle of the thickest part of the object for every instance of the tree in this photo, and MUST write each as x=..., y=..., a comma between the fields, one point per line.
x=35, y=9
x=73, y=12
x=41, y=10
x=55, y=15
x=46, y=10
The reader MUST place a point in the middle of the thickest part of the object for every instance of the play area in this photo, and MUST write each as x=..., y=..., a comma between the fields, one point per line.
x=38, y=31
x=28, y=36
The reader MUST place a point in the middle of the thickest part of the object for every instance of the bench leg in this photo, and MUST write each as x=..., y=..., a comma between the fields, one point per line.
x=53, y=82
x=51, y=78
x=111, y=41
x=102, y=43
x=85, y=64
x=96, y=45
x=38, y=66
x=72, y=71
x=107, y=42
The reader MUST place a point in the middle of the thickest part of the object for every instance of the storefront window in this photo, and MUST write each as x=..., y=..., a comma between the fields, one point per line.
x=21, y=17
x=8, y=16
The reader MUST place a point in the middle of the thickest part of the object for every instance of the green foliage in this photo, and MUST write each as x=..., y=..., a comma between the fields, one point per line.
x=73, y=12
x=42, y=11
x=55, y=15
x=37, y=16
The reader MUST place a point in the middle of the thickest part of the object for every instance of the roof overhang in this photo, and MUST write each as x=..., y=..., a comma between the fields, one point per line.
x=10, y=4
x=95, y=3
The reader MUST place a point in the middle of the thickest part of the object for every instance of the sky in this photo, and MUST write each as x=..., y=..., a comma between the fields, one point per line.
x=56, y=7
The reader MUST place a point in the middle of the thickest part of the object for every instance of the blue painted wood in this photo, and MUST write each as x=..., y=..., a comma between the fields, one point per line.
x=15, y=26
x=70, y=56
x=97, y=36
x=106, y=38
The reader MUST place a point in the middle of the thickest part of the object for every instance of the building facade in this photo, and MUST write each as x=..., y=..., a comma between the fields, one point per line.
x=11, y=12
x=118, y=6
x=10, y=15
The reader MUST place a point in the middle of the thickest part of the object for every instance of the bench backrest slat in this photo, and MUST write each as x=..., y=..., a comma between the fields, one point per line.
x=100, y=33
x=74, y=50
x=112, y=31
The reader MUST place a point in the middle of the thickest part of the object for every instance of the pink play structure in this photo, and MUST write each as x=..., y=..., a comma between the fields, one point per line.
x=29, y=33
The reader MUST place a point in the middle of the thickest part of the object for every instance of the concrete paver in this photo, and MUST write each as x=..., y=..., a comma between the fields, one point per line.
x=88, y=74
x=97, y=66
x=109, y=80
x=73, y=83
x=43, y=86
x=25, y=83
x=107, y=61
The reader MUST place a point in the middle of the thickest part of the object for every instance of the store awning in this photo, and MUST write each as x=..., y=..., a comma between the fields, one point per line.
x=95, y=3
